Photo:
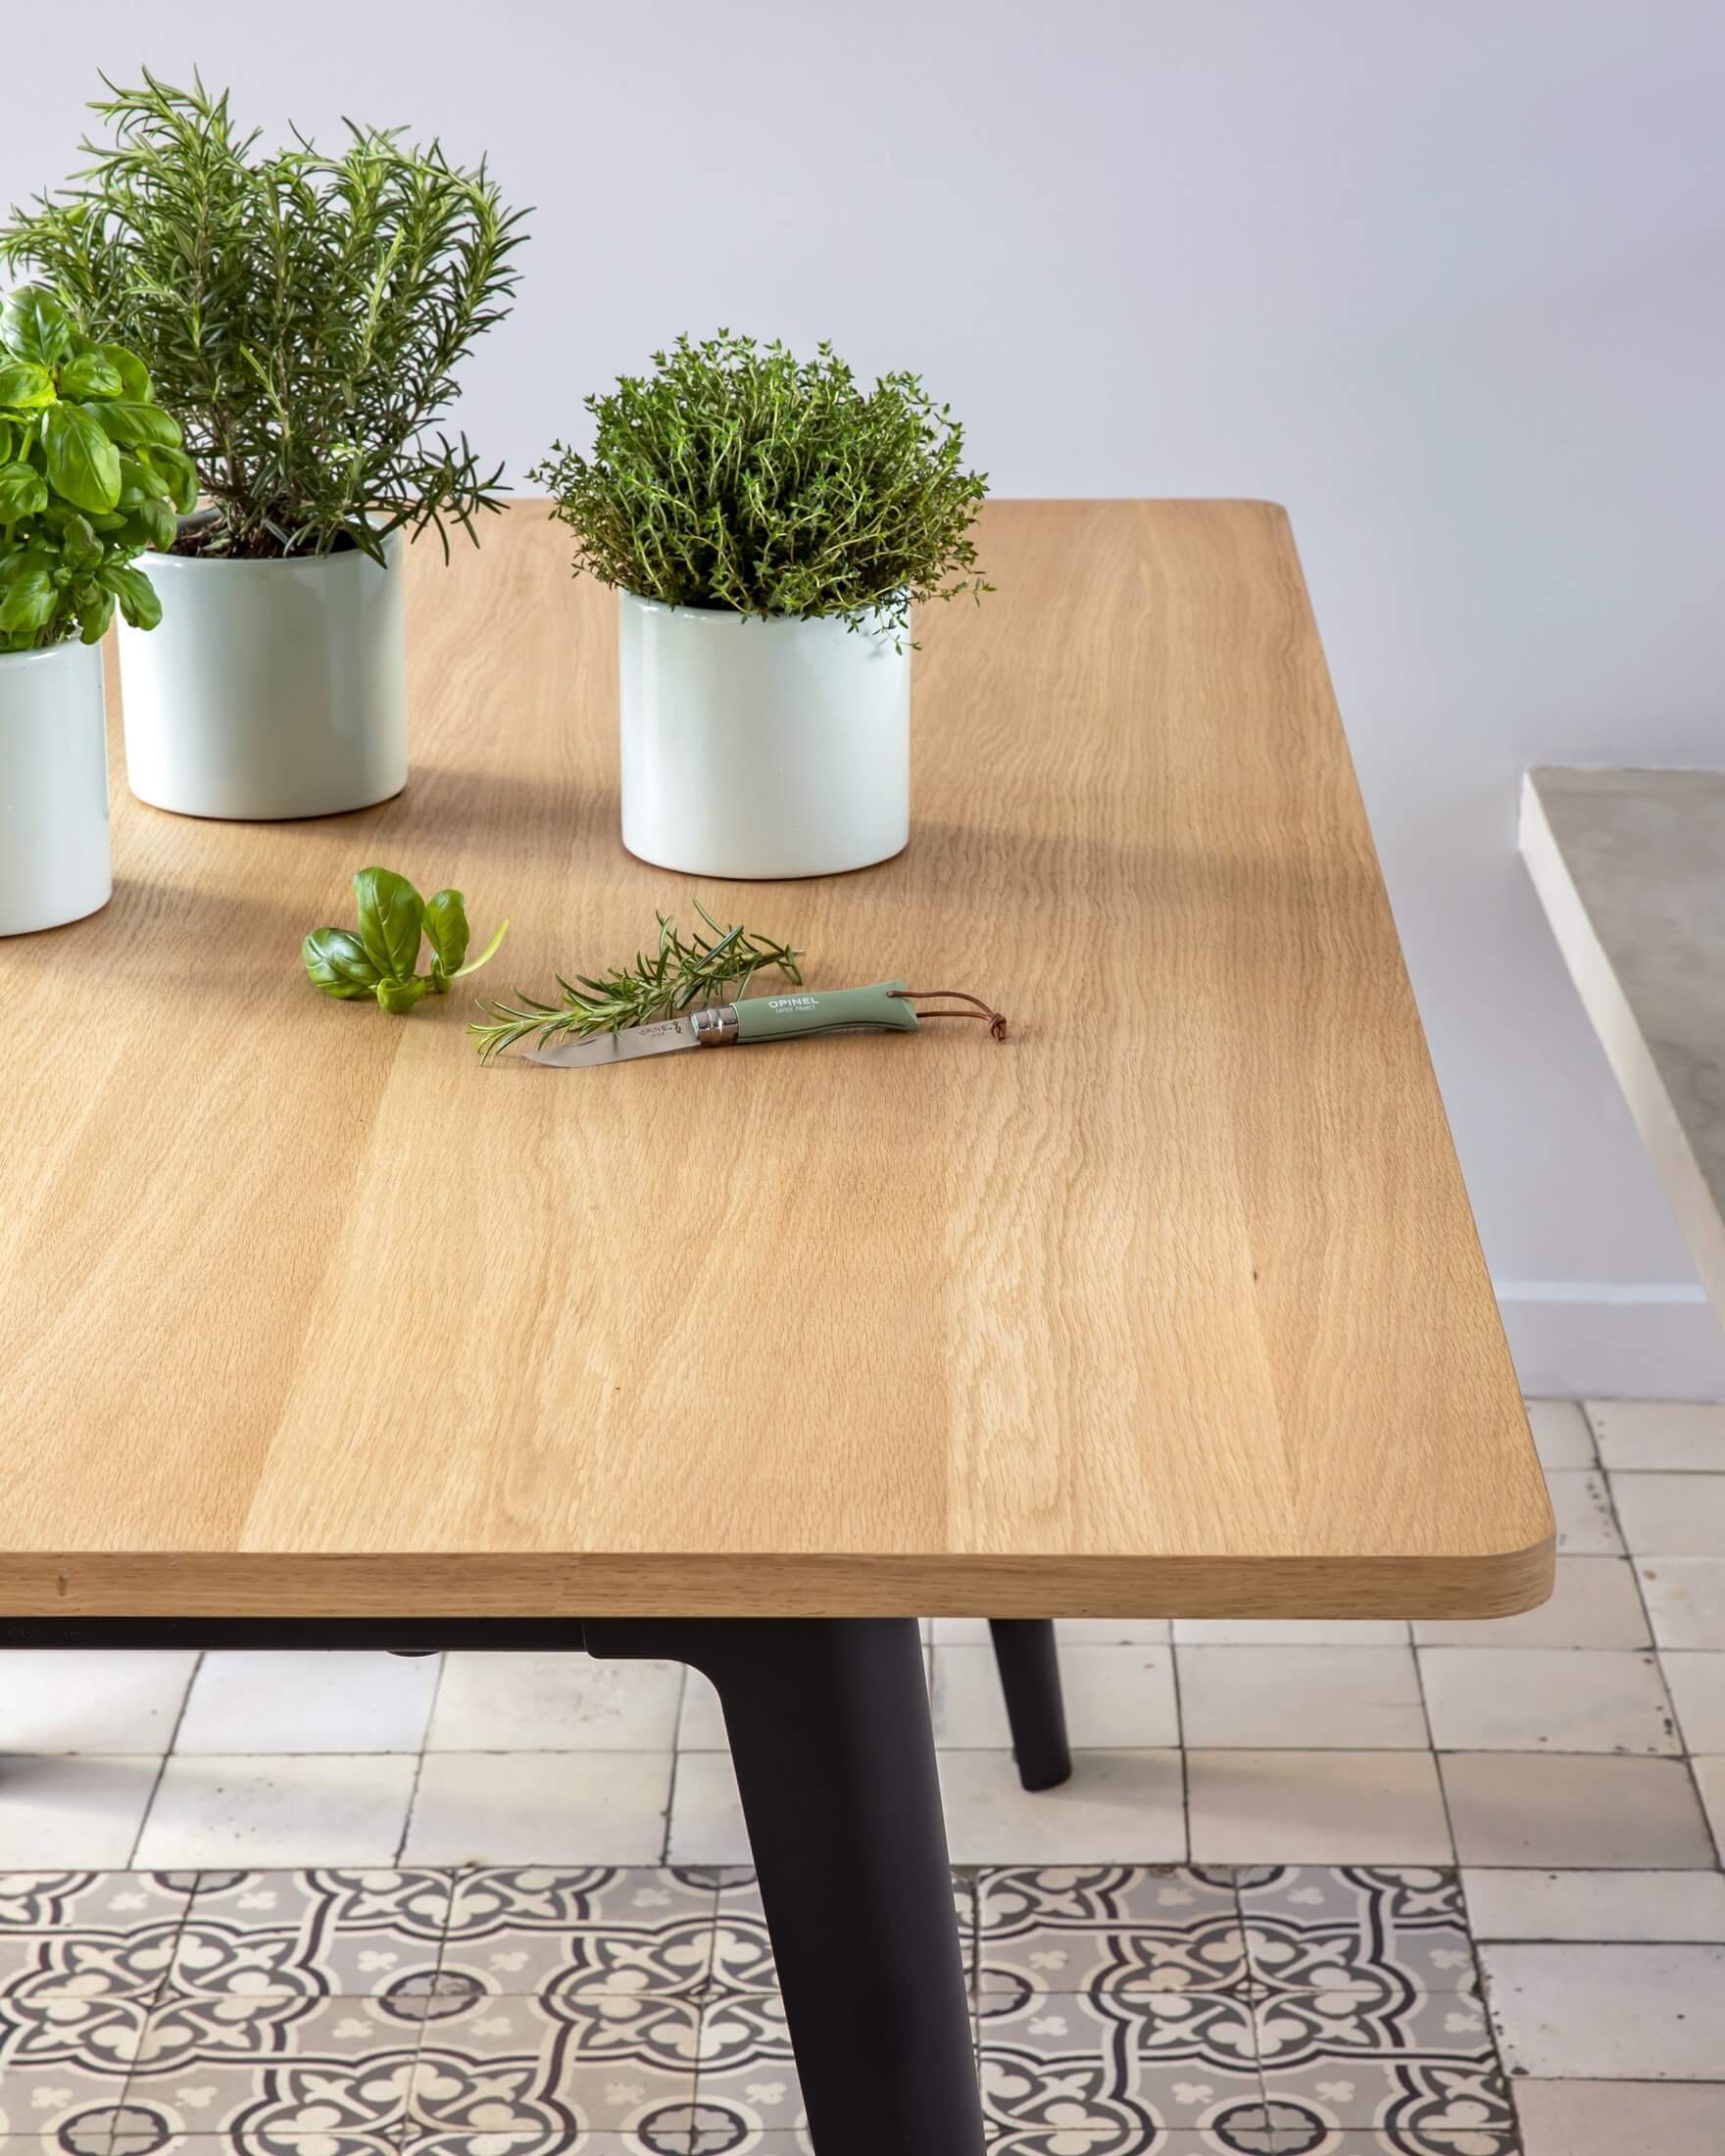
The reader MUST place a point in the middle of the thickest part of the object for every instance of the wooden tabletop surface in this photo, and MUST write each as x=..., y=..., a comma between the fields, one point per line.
x=1170, y=1304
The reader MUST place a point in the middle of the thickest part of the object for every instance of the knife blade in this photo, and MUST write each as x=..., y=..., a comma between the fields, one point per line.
x=664, y=1037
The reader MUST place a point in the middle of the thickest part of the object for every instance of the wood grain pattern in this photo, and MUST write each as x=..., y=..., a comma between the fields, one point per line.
x=1171, y=1304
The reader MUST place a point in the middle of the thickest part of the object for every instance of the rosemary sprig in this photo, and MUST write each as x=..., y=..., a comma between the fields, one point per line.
x=680, y=973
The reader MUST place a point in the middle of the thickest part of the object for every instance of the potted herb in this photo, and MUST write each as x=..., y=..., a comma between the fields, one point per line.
x=91, y=472
x=768, y=525
x=302, y=316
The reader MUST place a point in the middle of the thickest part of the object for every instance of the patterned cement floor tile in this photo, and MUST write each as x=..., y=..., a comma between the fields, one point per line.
x=1107, y=1927
x=1103, y=2065
x=1421, y=2065
x=88, y=1933
x=1363, y=1928
x=63, y=2059
x=314, y=1934
x=1430, y=2111
x=279, y=2067
x=597, y=1929
x=518, y=2066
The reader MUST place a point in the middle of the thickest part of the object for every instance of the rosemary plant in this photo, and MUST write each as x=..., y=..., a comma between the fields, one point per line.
x=739, y=477
x=682, y=973
x=302, y=314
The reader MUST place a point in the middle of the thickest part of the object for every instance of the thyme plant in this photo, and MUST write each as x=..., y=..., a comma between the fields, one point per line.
x=302, y=314
x=739, y=477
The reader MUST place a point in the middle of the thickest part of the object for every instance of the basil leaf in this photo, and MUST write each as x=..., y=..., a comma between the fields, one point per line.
x=34, y=326
x=83, y=464
x=179, y=476
x=93, y=619
x=336, y=961
x=134, y=375
x=22, y=493
x=392, y=915
x=91, y=374
x=24, y=386
x=399, y=996
x=138, y=603
x=138, y=426
x=27, y=602
x=446, y=925
x=154, y=524
x=79, y=548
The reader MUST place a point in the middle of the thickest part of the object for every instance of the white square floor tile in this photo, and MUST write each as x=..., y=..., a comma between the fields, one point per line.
x=1111, y=1632
x=1307, y=1698
x=1696, y=1684
x=1288, y=1632
x=1621, y=2117
x=77, y=1814
x=554, y=1703
x=316, y=1808
x=1595, y=1603
x=1597, y=1905
x=1585, y=1526
x=1686, y=1599
x=89, y=1700
x=1672, y=1515
x=1709, y=1779
x=1561, y=1434
x=1117, y=1698
x=1317, y=1807
x=1574, y=1809
x=1626, y=2013
x=539, y=1808
x=706, y=1812
x=1646, y=1433
x=1561, y=1700
x=335, y=1702
x=1120, y=1807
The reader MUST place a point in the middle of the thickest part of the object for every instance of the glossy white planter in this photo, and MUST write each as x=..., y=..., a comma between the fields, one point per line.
x=761, y=749
x=271, y=689
x=54, y=863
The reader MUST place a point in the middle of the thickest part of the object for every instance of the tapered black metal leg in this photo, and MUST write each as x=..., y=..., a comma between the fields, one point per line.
x=1030, y=1677
x=829, y=1730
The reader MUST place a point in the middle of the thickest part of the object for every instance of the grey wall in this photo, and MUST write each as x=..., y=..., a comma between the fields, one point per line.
x=1446, y=279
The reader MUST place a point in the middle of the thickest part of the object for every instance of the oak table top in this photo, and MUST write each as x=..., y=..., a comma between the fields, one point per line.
x=1172, y=1305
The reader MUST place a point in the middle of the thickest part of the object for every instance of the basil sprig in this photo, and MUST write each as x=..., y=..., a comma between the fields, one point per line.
x=382, y=960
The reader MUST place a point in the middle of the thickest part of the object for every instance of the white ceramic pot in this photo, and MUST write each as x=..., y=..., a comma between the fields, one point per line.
x=271, y=689
x=761, y=749
x=54, y=863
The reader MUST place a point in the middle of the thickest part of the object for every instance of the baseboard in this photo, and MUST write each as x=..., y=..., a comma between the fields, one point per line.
x=1601, y=1340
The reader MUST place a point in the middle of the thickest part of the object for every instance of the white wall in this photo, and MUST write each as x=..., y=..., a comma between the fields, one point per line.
x=1445, y=279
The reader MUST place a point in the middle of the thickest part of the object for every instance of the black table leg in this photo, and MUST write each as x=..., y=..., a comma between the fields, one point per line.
x=1030, y=1677
x=829, y=1730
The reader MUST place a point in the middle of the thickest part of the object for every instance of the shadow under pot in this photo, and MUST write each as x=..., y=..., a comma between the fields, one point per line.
x=271, y=689
x=760, y=749
x=55, y=859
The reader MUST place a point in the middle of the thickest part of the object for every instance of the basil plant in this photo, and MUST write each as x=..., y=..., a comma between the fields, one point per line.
x=91, y=475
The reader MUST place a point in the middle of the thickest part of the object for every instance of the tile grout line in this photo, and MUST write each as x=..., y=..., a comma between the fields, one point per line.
x=1180, y=1747
x=137, y=1840
x=1684, y=1752
x=407, y=1820
x=670, y=1794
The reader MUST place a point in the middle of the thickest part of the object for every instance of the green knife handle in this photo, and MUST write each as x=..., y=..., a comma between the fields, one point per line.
x=824, y=1010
